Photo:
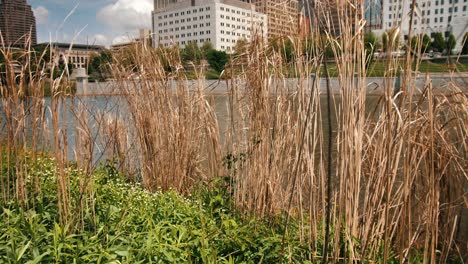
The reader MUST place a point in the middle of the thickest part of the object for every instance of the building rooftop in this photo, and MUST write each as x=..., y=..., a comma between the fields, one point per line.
x=62, y=45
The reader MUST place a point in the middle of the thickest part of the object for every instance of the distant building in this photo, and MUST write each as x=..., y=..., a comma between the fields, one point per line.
x=145, y=37
x=304, y=29
x=283, y=16
x=221, y=22
x=77, y=55
x=430, y=17
x=373, y=14
x=17, y=23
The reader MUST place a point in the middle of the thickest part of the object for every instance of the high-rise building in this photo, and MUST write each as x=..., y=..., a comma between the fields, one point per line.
x=328, y=14
x=430, y=17
x=221, y=22
x=373, y=14
x=17, y=23
x=283, y=16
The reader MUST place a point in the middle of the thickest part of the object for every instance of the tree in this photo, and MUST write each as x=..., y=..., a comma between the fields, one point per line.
x=465, y=44
x=451, y=44
x=217, y=60
x=423, y=40
x=98, y=67
x=192, y=53
x=439, y=42
x=206, y=47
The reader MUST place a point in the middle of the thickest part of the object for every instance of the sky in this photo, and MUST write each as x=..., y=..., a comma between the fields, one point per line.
x=98, y=22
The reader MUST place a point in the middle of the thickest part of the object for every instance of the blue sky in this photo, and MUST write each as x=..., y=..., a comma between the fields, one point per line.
x=100, y=22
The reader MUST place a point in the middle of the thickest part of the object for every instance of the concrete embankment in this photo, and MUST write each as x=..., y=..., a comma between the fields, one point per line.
x=374, y=84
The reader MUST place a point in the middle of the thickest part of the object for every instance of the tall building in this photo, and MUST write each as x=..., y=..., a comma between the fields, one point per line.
x=283, y=16
x=17, y=23
x=430, y=17
x=373, y=14
x=221, y=22
x=328, y=14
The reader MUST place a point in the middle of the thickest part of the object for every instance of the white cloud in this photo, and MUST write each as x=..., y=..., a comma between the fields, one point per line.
x=122, y=39
x=100, y=39
x=42, y=15
x=127, y=15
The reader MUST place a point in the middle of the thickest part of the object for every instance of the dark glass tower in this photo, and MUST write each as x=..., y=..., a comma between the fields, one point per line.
x=17, y=23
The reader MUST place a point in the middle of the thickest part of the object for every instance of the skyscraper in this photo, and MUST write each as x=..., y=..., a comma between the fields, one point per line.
x=373, y=14
x=17, y=23
x=282, y=16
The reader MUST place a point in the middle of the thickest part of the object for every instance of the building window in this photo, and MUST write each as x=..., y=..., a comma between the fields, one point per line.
x=221, y=8
x=207, y=8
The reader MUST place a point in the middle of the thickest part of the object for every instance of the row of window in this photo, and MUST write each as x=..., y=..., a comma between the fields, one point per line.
x=234, y=26
x=441, y=10
x=233, y=33
x=183, y=35
x=442, y=2
x=427, y=21
x=233, y=18
x=228, y=40
x=233, y=11
x=184, y=27
x=189, y=41
x=183, y=20
x=188, y=12
x=437, y=11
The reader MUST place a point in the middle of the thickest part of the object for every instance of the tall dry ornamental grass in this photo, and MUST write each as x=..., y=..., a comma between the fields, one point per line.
x=368, y=178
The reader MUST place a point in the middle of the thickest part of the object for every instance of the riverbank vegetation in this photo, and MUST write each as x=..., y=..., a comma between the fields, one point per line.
x=295, y=175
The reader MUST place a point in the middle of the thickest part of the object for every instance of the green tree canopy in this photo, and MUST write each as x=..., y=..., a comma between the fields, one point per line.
x=99, y=64
x=439, y=42
x=465, y=44
x=217, y=60
x=423, y=39
x=192, y=53
x=451, y=43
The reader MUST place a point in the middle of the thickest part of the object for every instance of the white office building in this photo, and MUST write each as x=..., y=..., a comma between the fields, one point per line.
x=221, y=22
x=431, y=16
